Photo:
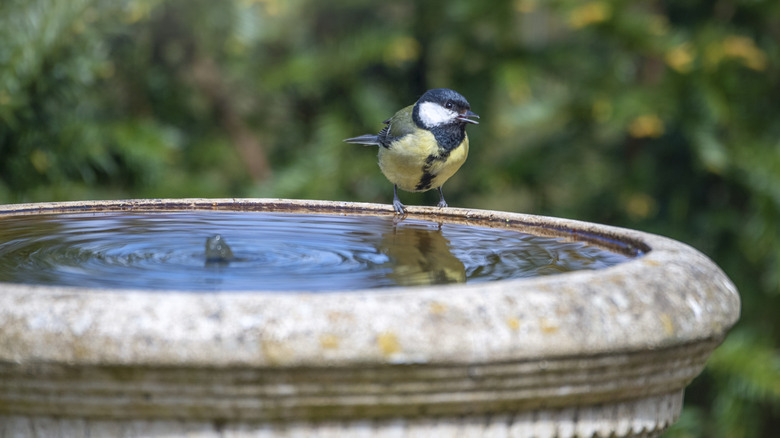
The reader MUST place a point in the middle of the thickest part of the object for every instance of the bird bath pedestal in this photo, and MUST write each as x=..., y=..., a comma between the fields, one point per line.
x=604, y=353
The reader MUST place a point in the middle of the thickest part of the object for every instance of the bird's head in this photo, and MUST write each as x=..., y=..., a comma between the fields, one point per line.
x=441, y=107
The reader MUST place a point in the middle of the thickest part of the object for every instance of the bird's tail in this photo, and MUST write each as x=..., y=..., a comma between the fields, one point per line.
x=364, y=139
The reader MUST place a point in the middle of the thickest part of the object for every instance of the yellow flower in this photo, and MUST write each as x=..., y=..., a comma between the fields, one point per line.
x=646, y=126
x=736, y=47
x=681, y=58
x=402, y=49
x=589, y=13
x=745, y=48
x=640, y=205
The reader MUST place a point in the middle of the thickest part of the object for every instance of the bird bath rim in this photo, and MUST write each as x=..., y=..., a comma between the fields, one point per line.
x=599, y=311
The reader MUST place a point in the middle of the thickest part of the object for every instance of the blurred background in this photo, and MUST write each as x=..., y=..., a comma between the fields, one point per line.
x=662, y=116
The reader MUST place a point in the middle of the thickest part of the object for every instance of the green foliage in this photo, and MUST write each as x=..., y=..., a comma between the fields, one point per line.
x=654, y=115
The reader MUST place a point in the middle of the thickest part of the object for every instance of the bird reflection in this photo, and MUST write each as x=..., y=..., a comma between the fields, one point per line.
x=421, y=256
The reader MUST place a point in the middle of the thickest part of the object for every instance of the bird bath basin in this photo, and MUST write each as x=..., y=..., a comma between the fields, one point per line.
x=334, y=319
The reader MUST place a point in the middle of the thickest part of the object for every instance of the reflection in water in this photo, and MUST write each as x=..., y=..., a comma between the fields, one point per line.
x=420, y=256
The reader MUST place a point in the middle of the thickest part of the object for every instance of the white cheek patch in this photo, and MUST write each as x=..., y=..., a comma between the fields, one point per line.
x=433, y=114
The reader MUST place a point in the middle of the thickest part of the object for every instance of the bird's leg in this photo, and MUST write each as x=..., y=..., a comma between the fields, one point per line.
x=442, y=202
x=397, y=206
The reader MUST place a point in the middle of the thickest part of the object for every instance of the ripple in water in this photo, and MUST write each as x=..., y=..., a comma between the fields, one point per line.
x=274, y=251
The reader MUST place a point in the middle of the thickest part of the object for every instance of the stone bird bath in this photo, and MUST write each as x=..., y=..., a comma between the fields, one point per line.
x=604, y=353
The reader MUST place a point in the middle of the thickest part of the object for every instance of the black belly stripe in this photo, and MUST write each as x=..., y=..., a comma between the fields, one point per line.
x=427, y=177
x=425, y=181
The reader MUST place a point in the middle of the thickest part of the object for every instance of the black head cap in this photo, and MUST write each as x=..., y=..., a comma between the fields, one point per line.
x=457, y=109
x=444, y=96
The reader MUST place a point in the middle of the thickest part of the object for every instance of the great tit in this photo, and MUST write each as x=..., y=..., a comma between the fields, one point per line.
x=424, y=144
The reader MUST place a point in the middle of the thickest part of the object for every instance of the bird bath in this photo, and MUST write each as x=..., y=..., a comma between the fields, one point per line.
x=451, y=322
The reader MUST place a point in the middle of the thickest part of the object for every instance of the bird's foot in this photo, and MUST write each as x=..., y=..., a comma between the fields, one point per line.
x=398, y=207
x=442, y=202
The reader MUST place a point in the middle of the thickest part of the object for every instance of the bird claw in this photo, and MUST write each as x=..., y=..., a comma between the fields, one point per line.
x=398, y=207
x=442, y=202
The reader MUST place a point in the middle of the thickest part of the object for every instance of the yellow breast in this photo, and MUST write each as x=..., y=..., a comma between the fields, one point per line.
x=415, y=162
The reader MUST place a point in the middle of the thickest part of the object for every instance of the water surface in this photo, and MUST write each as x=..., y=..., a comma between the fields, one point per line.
x=274, y=252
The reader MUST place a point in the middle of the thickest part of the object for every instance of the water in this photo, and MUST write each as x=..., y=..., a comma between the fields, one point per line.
x=273, y=251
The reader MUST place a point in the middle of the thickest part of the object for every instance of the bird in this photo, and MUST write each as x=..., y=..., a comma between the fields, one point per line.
x=423, y=144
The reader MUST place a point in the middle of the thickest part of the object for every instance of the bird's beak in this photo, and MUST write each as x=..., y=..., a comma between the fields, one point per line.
x=465, y=117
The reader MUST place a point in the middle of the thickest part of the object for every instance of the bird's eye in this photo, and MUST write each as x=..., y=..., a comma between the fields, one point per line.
x=448, y=105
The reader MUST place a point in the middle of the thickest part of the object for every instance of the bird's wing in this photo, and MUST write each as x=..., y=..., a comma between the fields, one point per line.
x=397, y=126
